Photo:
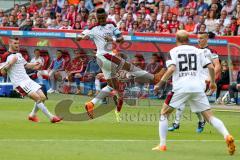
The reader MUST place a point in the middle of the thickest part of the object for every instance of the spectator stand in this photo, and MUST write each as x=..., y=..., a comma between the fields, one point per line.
x=139, y=42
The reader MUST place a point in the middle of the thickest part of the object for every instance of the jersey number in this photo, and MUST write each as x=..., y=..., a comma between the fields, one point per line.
x=187, y=62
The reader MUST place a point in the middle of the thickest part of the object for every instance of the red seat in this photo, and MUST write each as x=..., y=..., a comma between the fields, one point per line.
x=34, y=76
x=3, y=54
x=45, y=77
x=66, y=57
x=103, y=80
x=225, y=87
x=46, y=57
x=2, y=51
x=25, y=54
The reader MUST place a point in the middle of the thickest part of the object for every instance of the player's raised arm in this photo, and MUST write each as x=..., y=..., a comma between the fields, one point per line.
x=118, y=35
x=85, y=35
x=82, y=37
x=34, y=66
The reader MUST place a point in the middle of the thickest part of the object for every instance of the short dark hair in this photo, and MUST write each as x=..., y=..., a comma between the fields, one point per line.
x=211, y=35
x=36, y=50
x=14, y=38
x=154, y=55
x=203, y=33
x=59, y=51
x=100, y=11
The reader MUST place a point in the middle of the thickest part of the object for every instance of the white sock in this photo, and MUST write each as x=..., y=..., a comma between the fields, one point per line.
x=97, y=84
x=44, y=109
x=218, y=124
x=178, y=116
x=163, y=129
x=34, y=110
x=102, y=94
x=200, y=117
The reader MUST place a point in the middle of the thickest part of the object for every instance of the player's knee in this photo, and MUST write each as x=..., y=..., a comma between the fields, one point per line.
x=43, y=98
x=166, y=110
x=127, y=66
x=38, y=99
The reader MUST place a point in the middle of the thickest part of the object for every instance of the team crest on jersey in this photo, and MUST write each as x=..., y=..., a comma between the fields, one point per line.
x=107, y=34
x=20, y=59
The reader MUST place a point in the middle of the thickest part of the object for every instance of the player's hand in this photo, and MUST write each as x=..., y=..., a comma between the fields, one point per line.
x=207, y=81
x=108, y=39
x=4, y=73
x=213, y=86
x=156, y=89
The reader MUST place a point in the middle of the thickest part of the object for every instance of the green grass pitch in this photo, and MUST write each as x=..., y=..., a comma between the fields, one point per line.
x=104, y=138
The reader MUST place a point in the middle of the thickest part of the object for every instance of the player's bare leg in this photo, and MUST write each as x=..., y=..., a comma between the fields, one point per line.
x=218, y=124
x=163, y=127
x=140, y=74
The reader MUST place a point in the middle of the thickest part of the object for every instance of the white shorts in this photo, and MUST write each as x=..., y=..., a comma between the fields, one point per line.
x=27, y=87
x=198, y=101
x=108, y=68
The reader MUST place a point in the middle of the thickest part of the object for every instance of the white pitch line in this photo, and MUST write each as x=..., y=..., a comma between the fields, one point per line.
x=104, y=140
x=220, y=110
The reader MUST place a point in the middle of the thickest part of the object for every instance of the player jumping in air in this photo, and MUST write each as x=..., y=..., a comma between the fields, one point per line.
x=103, y=34
x=185, y=66
x=15, y=68
x=213, y=57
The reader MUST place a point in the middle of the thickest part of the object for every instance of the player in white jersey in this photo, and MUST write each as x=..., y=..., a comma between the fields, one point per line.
x=103, y=34
x=213, y=57
x=15, y=68
x=185, y=66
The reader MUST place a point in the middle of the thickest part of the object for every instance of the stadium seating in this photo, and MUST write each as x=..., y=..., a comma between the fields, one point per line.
x=25, y=54
x=46, y=57
x=66, y=57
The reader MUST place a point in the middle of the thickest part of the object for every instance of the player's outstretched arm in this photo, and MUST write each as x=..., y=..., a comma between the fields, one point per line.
x=34, y=66
x=82, y=37
x=118, y=39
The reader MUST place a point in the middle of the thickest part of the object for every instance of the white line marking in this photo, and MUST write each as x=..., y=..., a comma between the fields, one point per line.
x=105, y=140
x=220, y=110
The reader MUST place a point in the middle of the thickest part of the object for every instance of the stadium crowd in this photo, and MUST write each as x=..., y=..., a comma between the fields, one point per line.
x=221, y=17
